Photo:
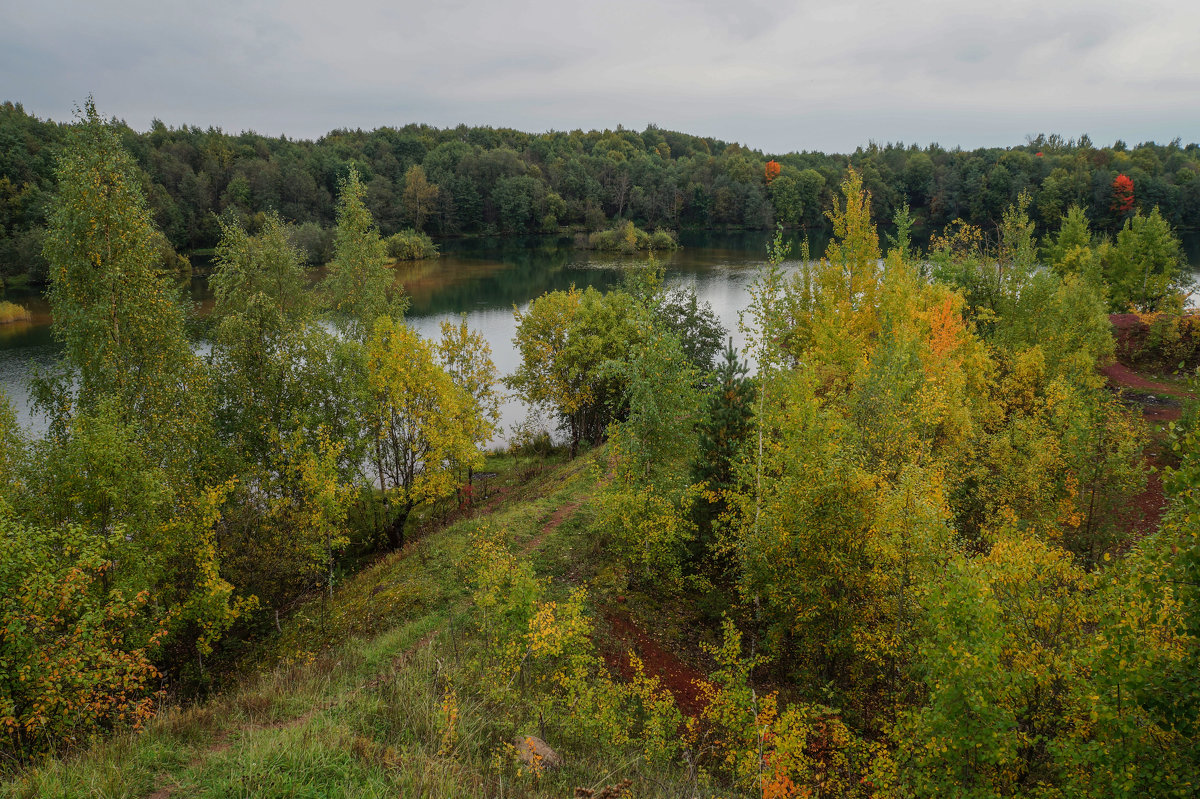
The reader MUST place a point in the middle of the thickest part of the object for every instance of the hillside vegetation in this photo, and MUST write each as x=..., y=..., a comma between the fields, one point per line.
x=930, y=548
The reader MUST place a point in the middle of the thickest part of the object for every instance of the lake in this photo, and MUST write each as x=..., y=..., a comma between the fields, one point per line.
x=482, y=278
x=485, y=279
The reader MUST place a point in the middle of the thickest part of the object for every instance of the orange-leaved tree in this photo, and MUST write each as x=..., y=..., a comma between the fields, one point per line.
x=1122, y=201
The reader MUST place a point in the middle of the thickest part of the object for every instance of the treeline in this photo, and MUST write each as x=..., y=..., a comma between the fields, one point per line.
x=916, y=532
x=485, y=180
x=179, y=503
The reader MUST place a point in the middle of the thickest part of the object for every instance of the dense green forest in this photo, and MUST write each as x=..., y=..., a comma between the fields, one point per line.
x=925, y=550
x=484, y=180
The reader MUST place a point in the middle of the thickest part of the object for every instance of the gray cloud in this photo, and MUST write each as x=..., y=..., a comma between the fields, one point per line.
x=806, y=75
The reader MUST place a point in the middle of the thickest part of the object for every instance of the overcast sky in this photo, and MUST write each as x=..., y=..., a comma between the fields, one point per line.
x=776, y=76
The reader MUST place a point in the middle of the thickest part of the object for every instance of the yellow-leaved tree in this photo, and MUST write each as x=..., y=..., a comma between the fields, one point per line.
x=466, y=356
x=422, y=423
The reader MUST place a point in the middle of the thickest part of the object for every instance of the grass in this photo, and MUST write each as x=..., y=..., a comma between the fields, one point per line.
x=348, y=701
x=11, y=312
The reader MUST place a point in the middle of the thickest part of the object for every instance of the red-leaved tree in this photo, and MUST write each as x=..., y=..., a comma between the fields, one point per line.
x=1122, y=201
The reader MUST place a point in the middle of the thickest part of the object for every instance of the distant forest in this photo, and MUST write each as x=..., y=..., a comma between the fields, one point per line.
x=483, y=180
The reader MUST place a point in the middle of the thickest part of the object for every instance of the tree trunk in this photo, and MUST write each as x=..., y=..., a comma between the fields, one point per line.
x=395, y=530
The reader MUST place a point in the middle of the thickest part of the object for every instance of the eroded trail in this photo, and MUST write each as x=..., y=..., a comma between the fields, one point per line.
x=1160, y=402
x=556, y=519
x=678, y=677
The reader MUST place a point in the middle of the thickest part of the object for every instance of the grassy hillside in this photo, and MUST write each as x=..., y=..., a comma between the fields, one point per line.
x=381, y=690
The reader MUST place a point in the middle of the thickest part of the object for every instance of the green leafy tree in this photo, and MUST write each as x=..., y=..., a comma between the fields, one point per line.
x=286, y=386
x=263, y=313
x=1146, y=265
x=693, y=323
x=358, y=282
x=467, y=357
x=572, y=344
x=724, y=431
x=117, y=316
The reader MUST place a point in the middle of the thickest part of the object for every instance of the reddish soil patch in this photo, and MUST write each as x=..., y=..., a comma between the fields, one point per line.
x=1161, y=413
x=1119, y=374
x=682, y=680
x=467, y=509
x=1145, y=511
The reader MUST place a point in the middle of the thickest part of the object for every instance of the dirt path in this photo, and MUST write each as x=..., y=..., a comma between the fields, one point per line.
x=1120, y=375
x=557, y=518
x=681, y=679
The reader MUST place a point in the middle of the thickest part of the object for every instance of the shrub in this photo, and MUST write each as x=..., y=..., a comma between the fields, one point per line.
x=313, y=242
x=630, y=238
x=72, y=661
x=1162, y=342
x=11, y=312
x=411, y=245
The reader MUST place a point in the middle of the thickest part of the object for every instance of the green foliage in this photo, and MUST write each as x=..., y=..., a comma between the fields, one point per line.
x=724, y=430
x=359, y=283
x=546, y=644
x=264, y=337
x=486, y=180
x=466, y=356
x=117, y=316
x=998, y=666
x=572, y=344
x=630, y=238
x=775, y=751
x=832, y=303
x=696, y=326
x=73, y=663
x=920, y=509
x=1016, y=305
x=1146, y=265
x=410, y=245
x=1062, y=252
x=12, y=450
x=12, y=312
x=1162, y=342
x=419, y=196
x=313, y=242
x=901, y=242
x=647, y=508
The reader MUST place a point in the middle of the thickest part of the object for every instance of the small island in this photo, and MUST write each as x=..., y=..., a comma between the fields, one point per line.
x=411, y=245
x=628, y=238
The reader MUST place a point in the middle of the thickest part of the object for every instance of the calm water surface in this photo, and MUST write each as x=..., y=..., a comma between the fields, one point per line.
x=485, y=279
